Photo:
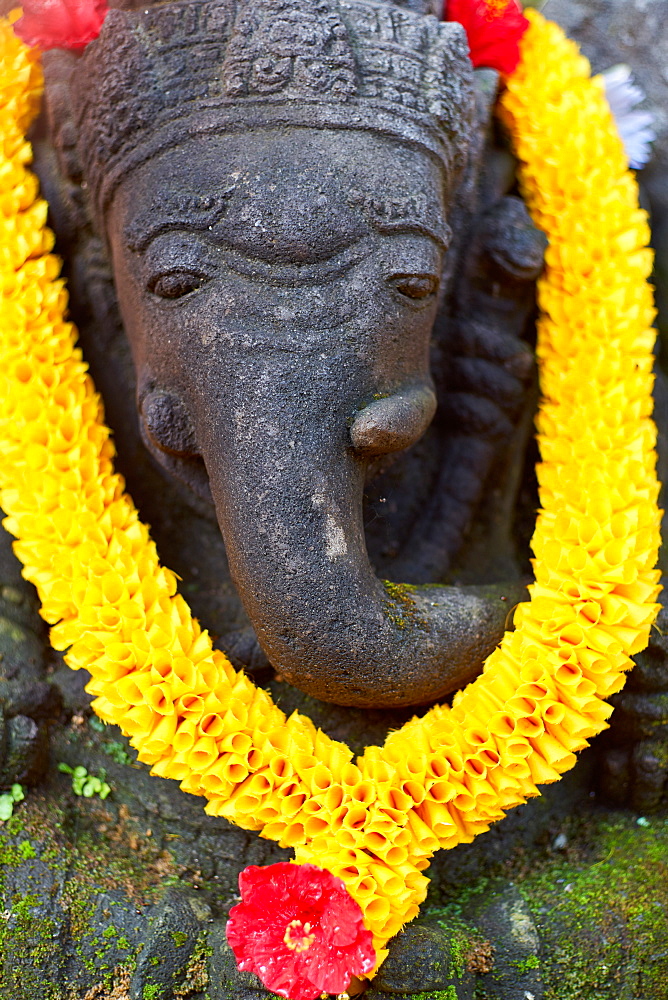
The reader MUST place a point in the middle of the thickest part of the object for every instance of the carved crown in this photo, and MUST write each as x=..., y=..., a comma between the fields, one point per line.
x=160, y=73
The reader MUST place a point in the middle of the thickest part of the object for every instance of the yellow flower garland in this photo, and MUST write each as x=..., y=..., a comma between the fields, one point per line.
x=444, y=778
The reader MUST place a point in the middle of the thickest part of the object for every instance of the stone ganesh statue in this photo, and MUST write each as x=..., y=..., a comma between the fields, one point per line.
x=305, y=288
x=287, y=196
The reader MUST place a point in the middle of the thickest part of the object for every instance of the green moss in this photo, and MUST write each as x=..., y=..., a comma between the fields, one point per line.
x=86, y=865
x=602, y=920
x=28, y=942
x=197, y=973
x=599, y=907
x=26, y=850
x=14, y=854
x=116, y=751
x=463, y=939
x=78, y=902
x=400, y=607
x=460, y=944
x=179, y=938
x=98, y=865
x=152, y=992
x=399, y=591
x=524, y=965
x=449, y=993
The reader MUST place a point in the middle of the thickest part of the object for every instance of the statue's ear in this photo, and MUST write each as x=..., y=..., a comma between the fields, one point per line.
x=56, y=155
x=486, y=89
x=59, y=67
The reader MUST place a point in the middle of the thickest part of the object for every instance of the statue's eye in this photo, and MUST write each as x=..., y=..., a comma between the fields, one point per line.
x=176, y=285
x=415, y=286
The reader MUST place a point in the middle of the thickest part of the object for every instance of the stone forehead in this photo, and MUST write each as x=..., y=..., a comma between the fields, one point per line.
x=159, y=74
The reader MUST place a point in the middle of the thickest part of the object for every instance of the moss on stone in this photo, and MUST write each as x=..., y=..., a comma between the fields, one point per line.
x=449, y=993
x=458, y=950
x=68, y=841
x=465, y=941
x=196, y=973
x=599, y=908
x=603, y=924
x=602, y=918
x=23, y=932
x=152, y=992
x=400, y=607
x=525, y=964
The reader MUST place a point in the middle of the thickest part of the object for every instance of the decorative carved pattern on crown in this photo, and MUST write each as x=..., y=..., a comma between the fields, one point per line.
x=288, y=45
x=392, y=46
x=157, y=74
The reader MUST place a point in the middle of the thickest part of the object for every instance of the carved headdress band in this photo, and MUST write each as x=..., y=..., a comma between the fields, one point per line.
x=159, y=74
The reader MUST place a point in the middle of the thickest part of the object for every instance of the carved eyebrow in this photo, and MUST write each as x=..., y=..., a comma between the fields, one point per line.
x=402, y=214
x=441, y=236
x=197, y=212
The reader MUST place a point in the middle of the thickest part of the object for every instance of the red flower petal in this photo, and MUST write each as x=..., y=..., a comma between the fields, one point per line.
x=339, y=923
x=61, y=24
x=494, y=29
x=298, y=929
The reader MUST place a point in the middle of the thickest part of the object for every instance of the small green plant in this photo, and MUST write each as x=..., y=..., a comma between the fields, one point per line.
x=117, y=752
x=8, y=800
x=113, y=748
x=86, y=784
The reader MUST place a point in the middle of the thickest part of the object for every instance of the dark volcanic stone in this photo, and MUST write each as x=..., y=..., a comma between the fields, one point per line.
x=427, y=955
x=504, y=918
x=174, y=927
x=225, y=979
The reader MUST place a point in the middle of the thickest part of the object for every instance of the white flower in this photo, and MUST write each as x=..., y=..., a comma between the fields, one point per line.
x=635, y=127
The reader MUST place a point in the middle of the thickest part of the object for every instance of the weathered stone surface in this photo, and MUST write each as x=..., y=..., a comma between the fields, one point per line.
x=33, y=924
x=175, y=926
x=100, y=873
x=225, y=979
x=105, y=931
x=502, y=915
x=428, y=955
x=24, y=746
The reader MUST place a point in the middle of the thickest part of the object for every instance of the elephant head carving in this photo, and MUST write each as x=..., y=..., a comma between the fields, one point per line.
x=284, y=188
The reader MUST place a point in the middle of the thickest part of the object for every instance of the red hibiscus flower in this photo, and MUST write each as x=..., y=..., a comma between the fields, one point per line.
x=61, y=24
x=494, y=29
x=299, y=930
